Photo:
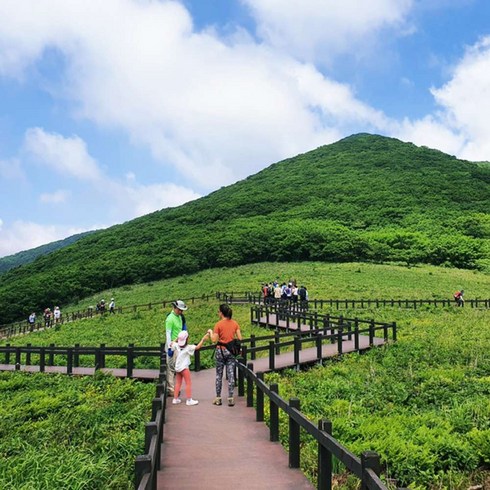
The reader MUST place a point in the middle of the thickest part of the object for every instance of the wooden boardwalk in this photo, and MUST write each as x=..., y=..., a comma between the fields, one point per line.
x=209, y=447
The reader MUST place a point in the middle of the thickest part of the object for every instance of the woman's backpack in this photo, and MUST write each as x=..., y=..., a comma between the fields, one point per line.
x=234, y=347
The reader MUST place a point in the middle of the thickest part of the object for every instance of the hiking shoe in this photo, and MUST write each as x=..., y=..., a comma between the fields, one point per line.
x=176, y=401
x=231, y=401
x=217, y=401
x=190, y=401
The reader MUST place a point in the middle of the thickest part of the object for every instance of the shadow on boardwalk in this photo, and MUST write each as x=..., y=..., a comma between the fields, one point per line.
x=208, y=446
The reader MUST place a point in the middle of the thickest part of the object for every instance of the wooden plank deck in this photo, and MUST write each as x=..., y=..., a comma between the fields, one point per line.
x=208, y=447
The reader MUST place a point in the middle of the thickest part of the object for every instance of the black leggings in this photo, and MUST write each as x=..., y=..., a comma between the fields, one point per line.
x=224, y=358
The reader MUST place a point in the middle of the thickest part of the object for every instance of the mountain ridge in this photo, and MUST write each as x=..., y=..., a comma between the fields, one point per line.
x=363, y=198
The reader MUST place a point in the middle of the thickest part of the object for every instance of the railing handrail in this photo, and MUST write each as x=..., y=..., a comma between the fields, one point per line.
x=147, y=465
x=368, y=474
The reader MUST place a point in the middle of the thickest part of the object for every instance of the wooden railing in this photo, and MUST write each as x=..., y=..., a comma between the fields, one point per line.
x=147, y=465
x=248, y=297
x=23, y=327
x=69, y=357
x=367, y=468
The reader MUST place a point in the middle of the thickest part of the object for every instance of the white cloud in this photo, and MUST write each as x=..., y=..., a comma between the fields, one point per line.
x=316, y=29
x=67, y=156
x=461, y=126
x=466, y=100
x=119, y=200
x=24, y=235
x=215, y=109
x=57, y=197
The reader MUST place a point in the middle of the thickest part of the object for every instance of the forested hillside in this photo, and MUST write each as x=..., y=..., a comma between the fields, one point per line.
x=364, y=198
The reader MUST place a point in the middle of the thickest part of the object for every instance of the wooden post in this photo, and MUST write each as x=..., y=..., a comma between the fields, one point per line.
x=241, y=382
x=259, y=416
x=151, y=429
x=129, y=361
x=371, y=333
x=142, y=466
x=274, y=415
x=271, y=356
x=17, y=358
x=297, y=348
x=369, y=460
x=340, y=338
x=294, y=436
x=324, y=481
x=69, y=361
x=51, y=355
x=76, y=356
x=250, y=386
x=319, y=353
x=42, y=359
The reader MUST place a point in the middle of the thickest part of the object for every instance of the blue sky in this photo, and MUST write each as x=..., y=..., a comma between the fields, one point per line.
x=111, y=110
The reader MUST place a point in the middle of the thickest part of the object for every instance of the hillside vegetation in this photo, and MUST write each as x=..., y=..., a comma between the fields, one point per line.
x=364, y=198
x=422, y=403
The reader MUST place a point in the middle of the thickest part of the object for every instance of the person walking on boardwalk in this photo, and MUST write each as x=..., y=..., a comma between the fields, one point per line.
x=225, y=331
x=32, y=320
x=174, y=324
x=183, y=352
x=112, y=306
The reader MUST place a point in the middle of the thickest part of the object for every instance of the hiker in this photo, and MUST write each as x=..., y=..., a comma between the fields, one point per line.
x=458, y=297
x=225, y=331
x=265, y=293
x=182, y=353
x=57, y=314
x=112, y=307
x=47, y=317
x=174, y=324
x=32, y=320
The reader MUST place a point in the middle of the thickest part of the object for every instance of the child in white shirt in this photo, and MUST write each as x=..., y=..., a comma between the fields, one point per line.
x=182, y=363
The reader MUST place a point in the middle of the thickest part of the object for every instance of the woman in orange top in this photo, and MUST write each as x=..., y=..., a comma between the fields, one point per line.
x=225, y=331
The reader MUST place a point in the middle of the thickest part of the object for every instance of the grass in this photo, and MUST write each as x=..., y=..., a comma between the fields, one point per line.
x=422, y=403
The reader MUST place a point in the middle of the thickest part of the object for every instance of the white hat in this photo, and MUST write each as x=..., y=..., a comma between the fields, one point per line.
x=182, y=338
x=180, y=305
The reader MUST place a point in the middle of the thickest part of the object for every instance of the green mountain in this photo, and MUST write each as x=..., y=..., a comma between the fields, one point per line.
x=364, y=198
x=27, y=256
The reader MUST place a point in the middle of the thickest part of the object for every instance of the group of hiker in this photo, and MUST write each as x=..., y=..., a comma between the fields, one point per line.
x=274, y=292
x=226, y=335
x=100, y=307
x=50, y=317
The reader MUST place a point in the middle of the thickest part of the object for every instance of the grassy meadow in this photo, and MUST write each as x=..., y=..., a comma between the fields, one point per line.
x=422, y=403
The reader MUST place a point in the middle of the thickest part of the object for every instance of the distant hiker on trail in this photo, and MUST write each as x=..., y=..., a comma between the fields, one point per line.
x=458, y=297
x=265, y=293
x=57, y=314
x=224, y=332
x=182, y=353
x=47, y=317
x=102, y=306
x=294, y=293
x=174, y=324
x=277, y=292
x=32, y=320
x=112, y=306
